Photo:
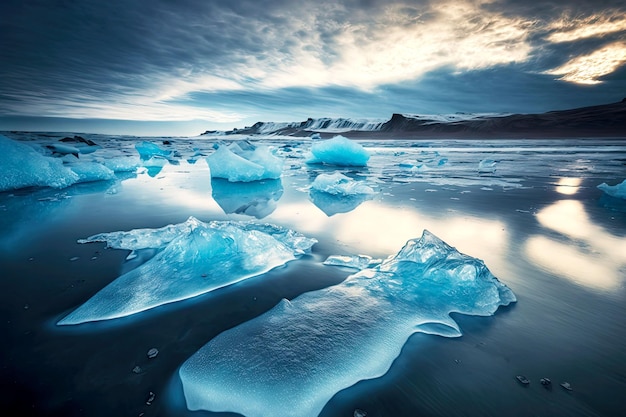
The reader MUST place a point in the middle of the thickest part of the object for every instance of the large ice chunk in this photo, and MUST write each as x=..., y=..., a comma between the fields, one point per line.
x=244, y=163
x=291, y=360
x=148, y=149
x=618, y=190
x=339, y=184
x=339, y=151
x=91, y=171
x=193, y=258
x=21, y=166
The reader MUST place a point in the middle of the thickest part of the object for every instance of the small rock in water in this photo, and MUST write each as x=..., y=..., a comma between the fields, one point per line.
x=567, y=386
x=546, y=383
x=137, y=369
x=359, y=413
x=151, y=397
x=522, y=379
x=152, y=353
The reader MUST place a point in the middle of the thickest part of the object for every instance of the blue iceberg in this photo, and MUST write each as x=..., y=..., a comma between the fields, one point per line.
x=339, y=184
x=192, y=258
x=244, y=163
x=91, y=171
x=291, y=360
x=339, y=151
x=22, y=166
x=148, y=149
x=617, y=191
x=487, y=166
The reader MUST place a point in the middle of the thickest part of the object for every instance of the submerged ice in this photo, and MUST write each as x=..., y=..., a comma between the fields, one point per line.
x=294, y=358
x=339, y=184
x=192, y=258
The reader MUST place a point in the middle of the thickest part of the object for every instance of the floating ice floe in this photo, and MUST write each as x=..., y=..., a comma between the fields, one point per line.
x=122, y=163
x=148, y=149
x=192, y=258
x=618, y=190
x=91, y=171
x=339, y=184
x=244, y=163
x=487, y=166
x=294, y=358
x=352, y=261
x=22, y=166
x=339, y=151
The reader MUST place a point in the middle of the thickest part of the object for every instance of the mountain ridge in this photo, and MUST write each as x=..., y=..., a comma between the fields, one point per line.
x=606, y=120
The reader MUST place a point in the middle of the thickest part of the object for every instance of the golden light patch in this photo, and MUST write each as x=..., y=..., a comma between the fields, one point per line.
x=588, y=69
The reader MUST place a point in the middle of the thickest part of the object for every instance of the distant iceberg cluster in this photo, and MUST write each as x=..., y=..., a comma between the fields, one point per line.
x=306, y=350
x=192, y=258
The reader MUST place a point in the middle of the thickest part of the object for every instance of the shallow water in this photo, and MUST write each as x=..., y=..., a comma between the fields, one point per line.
x=539, y=223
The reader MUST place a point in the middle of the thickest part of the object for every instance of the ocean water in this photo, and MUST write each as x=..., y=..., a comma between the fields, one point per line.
x=537, y=221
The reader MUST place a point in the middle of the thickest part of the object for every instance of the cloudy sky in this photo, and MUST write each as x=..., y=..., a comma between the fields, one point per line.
x=184, y=66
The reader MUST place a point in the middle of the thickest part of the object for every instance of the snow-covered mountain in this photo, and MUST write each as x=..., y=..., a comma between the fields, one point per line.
x=608, y=120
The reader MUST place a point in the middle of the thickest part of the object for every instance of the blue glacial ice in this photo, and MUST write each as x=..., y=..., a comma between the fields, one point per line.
x=291, y=360
x=148, y=149
x=339, y=151
x=487, y=166
x=339, y=184
x=192, y=258
x=244, y=163
x=22, y=166
x=91, y=171
x=352, y=261
x=618, y=190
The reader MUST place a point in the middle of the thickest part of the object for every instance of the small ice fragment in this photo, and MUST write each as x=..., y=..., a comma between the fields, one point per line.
x=74, y=258
x=522, y=379
x=339, y=151
x=339, y=184
x=137, y=369
x=487, y=166
x=546, y=382
x=251, y=164
x=150, y=399
x=618, y=191
x=567, y=386
x=359, y=413
x=356, y=261
x=152, y=353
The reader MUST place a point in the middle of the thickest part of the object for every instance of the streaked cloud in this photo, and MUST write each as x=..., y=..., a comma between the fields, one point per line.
x=152, y=60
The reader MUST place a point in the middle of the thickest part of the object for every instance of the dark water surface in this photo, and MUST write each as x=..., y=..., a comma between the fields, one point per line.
x=539, y=223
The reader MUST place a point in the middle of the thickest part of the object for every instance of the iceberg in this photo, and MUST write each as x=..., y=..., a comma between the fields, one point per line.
x=91, y=171
x=122, y=163
x=192, y=258
x=339, y=184
x=237, y=164
x=618, y=190
x=22, y=166
x=295, y=357
x=148, y=149
x=339, y=151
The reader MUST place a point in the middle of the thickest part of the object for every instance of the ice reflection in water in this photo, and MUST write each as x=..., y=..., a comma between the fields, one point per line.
x=588, y=254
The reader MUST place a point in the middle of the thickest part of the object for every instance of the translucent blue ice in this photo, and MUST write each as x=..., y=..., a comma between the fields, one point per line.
x=339, y=151
x=192, y=258
x=332, y=204
x=352, y=261
x=148, y=149
x=21, y=166
x=339, y=184
x=91, y=171
x=244, y=163
x=618, y=190
x=122, y=163
x=291, y=360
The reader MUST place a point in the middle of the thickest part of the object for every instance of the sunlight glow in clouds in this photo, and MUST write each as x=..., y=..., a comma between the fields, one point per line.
x=567, y=30
x=588, y=69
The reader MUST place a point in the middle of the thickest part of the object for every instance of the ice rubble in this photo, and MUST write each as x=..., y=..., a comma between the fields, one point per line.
x=193, y=258
x=244, y=163
x=339, y=151
x=294, y=358
x=339, y=184
x=618, y=190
